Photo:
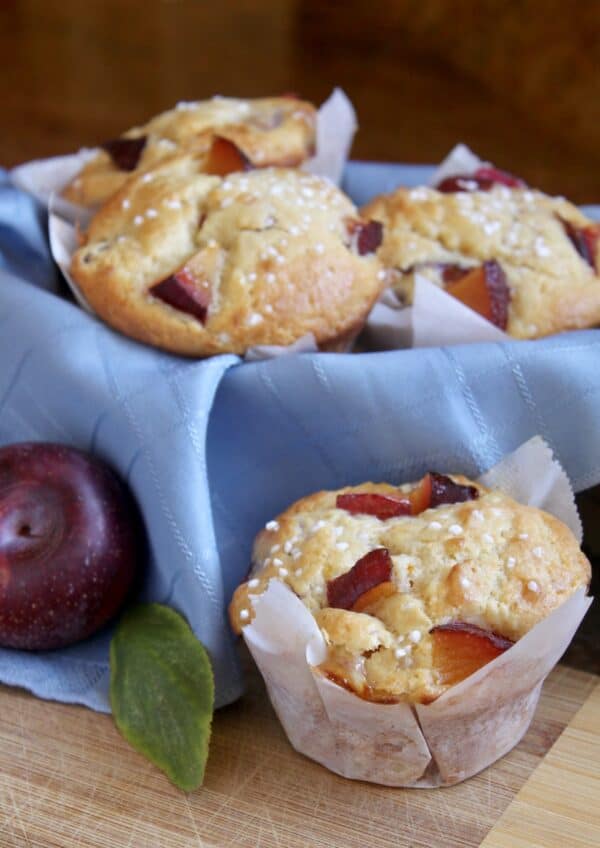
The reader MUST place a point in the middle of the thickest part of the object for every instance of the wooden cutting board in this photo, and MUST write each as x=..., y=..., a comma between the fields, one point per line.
x=559, y=805
x=67, y=779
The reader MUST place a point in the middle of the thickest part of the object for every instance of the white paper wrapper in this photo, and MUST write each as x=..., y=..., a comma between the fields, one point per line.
x=466, y=729
x=460, y=160
x=336, y=126
x=43, y=177
x=62, y=233
x=531, y=475
x=390, y=323
x=435, y=318
x=306, y=344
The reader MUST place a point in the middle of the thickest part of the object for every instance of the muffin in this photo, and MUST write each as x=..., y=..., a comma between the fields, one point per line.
x=527, y=262
x=230, y=134
x=201, y=265
x=415, y=588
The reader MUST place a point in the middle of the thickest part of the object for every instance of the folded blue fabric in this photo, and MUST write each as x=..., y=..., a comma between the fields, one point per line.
x=213, y=449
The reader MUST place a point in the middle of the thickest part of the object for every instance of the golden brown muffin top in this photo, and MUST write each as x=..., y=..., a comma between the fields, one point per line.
x=267, y=131
x=465, y=580
x=264, y=257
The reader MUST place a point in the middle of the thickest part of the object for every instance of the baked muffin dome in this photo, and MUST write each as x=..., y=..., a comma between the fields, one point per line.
x=200, y=265
x=529, y=262
x=411, y=592
x=266, y=131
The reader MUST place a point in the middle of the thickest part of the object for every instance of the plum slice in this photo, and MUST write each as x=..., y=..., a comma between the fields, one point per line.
x=460, y=649
x=452, y=273
x=125, y=152
x=485, y=290
x=180, y=292
x=225, y=157
x=371, y=596
x=188, y=289
x=365, y=236
x=369, y=571
x=436, y=489
x=371, y=503
x=445, y=491
x=433, y=490
x=498, y=177
x=420, y=496
x=483, y=179
x=584, y=240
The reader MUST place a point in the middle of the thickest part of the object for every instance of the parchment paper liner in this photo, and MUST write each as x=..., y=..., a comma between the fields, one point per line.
x=469, y=726
x=435, y=317
x=45, y=179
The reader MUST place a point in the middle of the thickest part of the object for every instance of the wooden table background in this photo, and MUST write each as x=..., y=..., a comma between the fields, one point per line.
x=68, y=780
x=517, y=82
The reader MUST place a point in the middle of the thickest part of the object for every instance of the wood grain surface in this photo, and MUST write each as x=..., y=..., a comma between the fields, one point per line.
x=68, y=780
x=558, y=806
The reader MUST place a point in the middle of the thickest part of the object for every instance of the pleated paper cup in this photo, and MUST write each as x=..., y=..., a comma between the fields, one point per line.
x=464, y=730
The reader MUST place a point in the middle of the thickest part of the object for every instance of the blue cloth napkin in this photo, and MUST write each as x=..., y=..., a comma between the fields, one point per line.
x=214, y=449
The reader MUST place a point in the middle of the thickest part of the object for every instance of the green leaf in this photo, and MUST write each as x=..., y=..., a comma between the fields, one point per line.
x=162, y=691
